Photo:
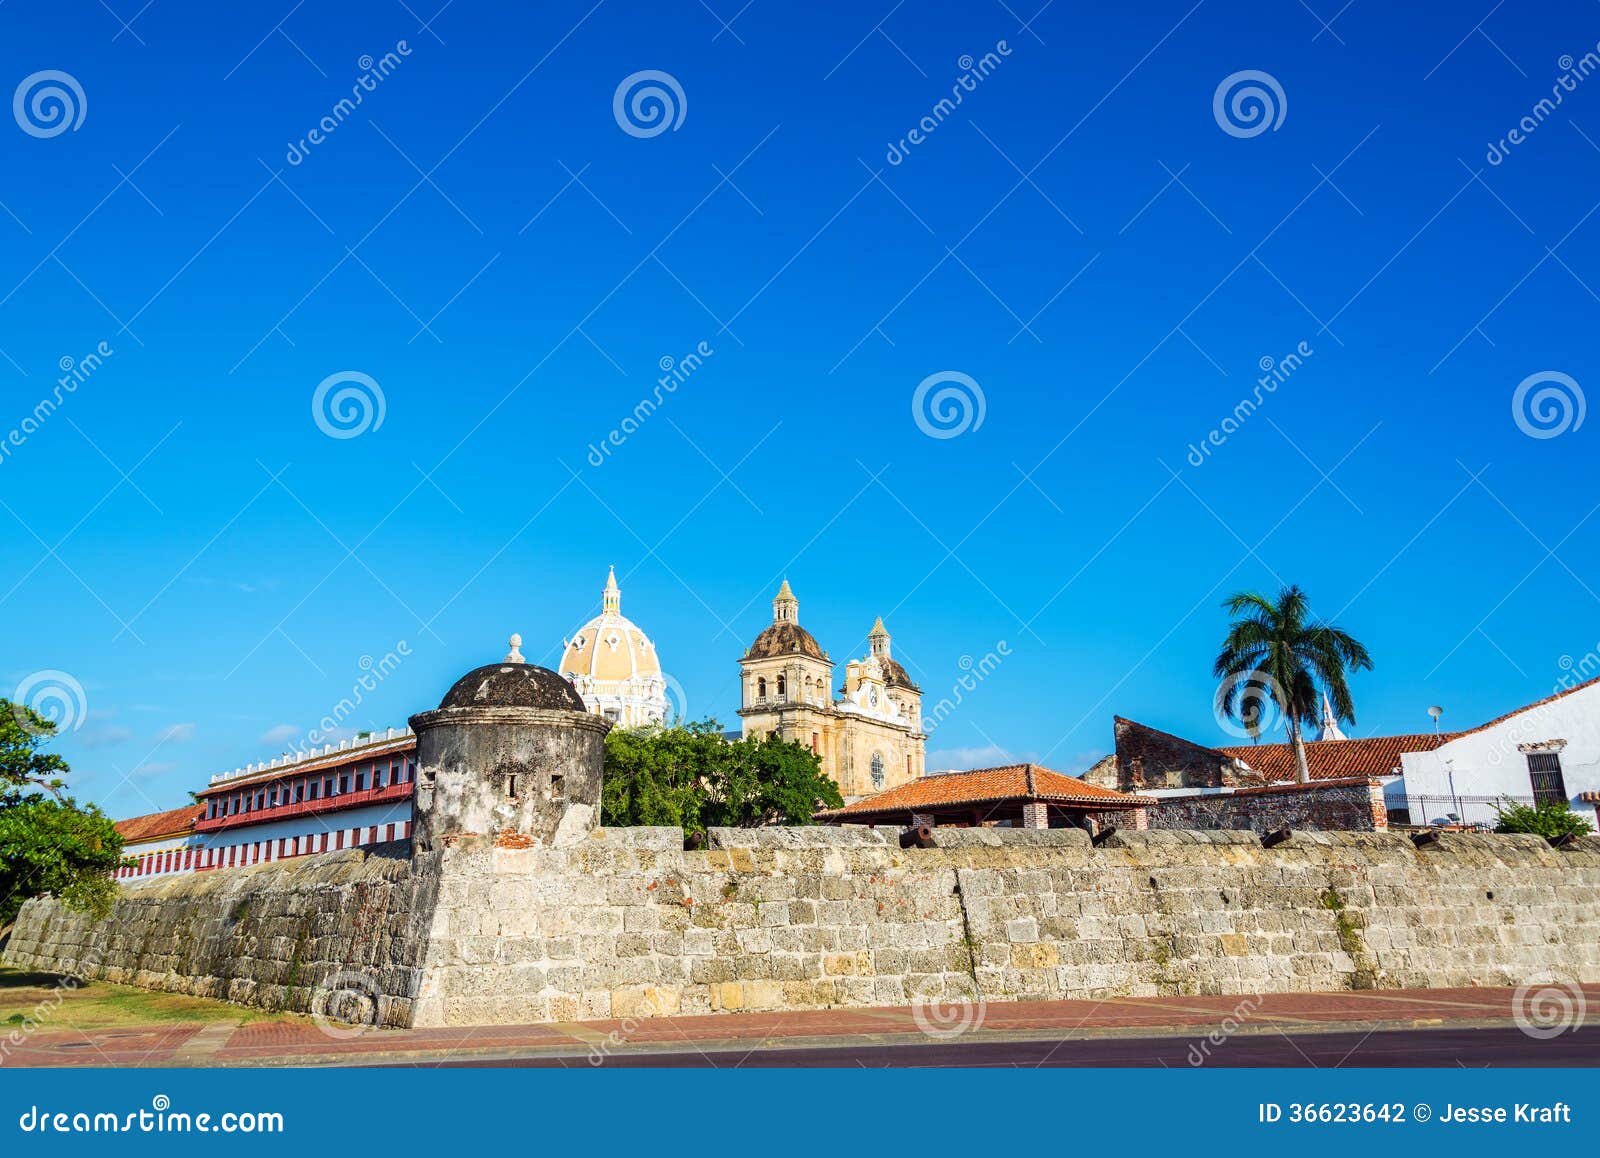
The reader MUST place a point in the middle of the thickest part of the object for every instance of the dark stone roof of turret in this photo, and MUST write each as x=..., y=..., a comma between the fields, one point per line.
x=896, y=676
x=513, y=685
x=785, y=639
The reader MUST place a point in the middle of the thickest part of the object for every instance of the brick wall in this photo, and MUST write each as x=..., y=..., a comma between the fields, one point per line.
x=1350, y=805
x=1147, y=758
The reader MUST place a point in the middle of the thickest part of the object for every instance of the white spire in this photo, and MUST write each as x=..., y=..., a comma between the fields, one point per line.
x=1330, y=723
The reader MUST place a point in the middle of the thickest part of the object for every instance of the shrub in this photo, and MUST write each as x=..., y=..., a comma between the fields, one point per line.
x=1546, y=820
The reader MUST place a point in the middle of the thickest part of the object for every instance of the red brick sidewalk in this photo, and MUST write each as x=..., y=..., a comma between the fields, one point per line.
x=305, y=1043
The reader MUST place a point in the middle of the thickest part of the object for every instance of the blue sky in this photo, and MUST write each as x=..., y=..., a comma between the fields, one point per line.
x=1081, y=237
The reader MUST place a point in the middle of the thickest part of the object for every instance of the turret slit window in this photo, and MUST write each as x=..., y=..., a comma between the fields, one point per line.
x=1549, y=786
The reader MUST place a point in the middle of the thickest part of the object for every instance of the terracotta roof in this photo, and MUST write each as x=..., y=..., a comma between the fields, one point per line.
x=1334, y=759
x=786, y=638
x=1012, y=782
x=172, y=822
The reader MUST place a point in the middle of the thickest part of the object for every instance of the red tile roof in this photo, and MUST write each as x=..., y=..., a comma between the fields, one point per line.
x=1371, y=756
x=1011, y=783
x=172, y=822
x=1332, y=759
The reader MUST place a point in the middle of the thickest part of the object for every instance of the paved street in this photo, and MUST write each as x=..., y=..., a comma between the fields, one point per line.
x=1471, y=1027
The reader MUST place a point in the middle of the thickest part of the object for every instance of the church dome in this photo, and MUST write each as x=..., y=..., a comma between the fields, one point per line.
x=512, y=685
x=610, y=647
x=781, y=639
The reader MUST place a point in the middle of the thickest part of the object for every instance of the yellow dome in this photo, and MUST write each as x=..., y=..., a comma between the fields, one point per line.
x=614, y=666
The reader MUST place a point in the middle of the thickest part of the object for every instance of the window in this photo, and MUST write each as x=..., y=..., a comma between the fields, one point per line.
x=783, y=686
x=877, y=770
x=312, y=794
x=299, y=791
x=558, y=786
x=361, y=781
x=1544, y=770
x=377, y=776
x=761, y=688
x=344, y=784
x=394, y=772
x=411, y=771
x=327, y=786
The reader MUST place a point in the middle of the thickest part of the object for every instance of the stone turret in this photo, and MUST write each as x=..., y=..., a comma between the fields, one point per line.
x=510, y=757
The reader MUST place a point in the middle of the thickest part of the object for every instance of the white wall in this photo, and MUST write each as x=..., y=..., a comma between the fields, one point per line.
x=1491, y=764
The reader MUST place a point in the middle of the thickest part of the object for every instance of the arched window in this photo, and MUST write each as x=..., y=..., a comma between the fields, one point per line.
x=761, y=688
x=877, y=769
x=783, y=686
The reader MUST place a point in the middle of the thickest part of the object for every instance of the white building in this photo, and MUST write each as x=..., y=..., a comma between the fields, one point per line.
x=1547, y=751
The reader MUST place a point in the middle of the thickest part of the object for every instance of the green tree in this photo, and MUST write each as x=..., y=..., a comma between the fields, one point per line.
x=1546, y=820
x=769, y=781
x=1276, y=652
x=48, y=843
x=690, y=777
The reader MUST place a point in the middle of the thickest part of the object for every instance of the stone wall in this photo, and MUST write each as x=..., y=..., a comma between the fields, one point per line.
x=1349, y=805
x=353, y=923
x=626, y=923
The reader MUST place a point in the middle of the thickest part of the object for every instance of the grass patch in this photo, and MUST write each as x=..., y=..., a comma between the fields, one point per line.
x=99, y=1005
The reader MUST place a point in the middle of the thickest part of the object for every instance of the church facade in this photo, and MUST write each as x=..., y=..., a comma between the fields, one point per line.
x=868, y=740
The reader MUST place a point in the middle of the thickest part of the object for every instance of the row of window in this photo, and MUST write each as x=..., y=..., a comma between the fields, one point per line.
x=382, y=773
x=255, y=852
x=173, y=860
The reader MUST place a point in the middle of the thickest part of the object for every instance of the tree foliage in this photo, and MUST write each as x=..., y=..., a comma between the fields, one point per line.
x=690, y=777
x=1546, y=820
x=48, y=842
x=1276, y=652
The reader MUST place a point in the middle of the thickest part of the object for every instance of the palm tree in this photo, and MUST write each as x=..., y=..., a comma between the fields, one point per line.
x=1275, y=651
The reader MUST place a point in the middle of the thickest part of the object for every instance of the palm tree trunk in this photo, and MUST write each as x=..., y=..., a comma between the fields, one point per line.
x=1302, y=770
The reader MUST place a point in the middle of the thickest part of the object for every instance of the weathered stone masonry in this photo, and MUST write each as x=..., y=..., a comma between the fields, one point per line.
x=625, y=923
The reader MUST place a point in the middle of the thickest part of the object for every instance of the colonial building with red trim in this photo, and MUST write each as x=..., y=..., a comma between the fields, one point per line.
x=348, y=795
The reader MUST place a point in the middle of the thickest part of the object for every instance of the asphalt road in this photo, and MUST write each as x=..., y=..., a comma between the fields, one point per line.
x=1497, y=1047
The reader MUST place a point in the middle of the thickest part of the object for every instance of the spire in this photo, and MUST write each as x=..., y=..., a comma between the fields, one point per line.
x=878, y=639
x=611, y=597
x=515, y=654
x=785, y=607
x=1330, y=722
